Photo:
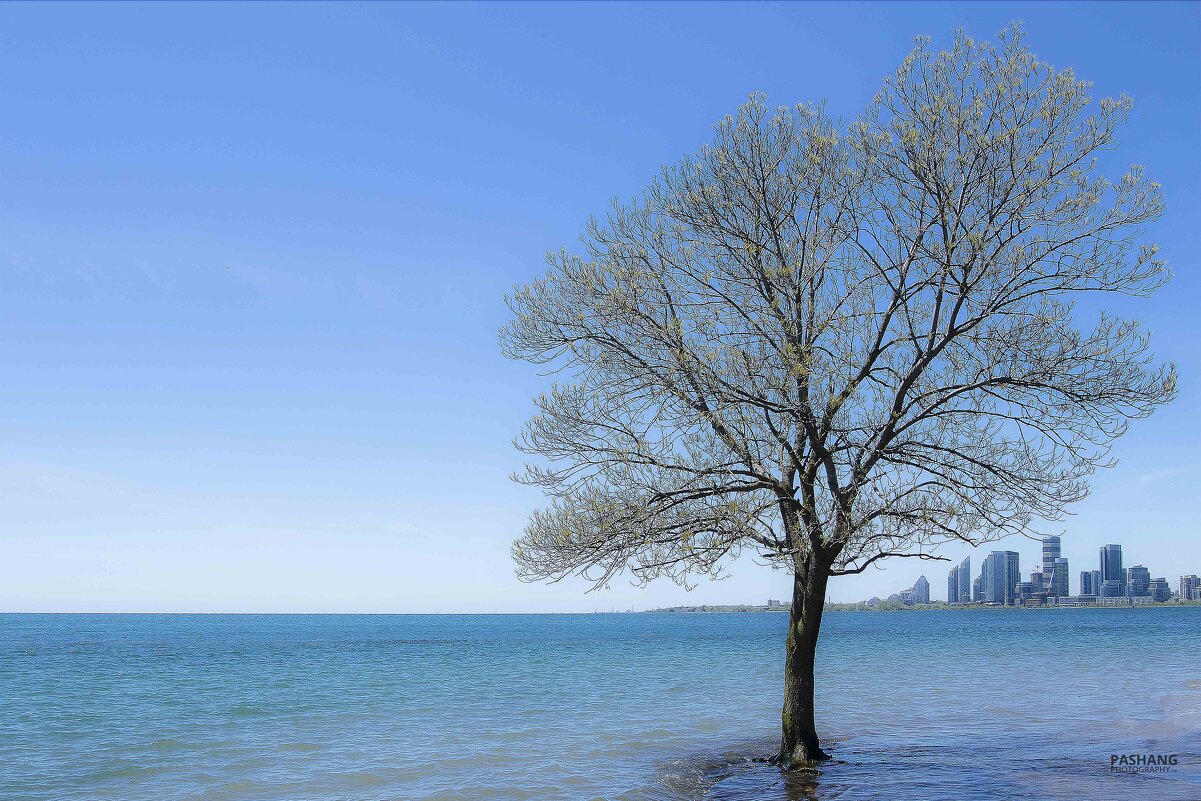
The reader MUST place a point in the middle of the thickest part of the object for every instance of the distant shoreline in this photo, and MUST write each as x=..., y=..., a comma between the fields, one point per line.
x=862, y=606
x=720, y=608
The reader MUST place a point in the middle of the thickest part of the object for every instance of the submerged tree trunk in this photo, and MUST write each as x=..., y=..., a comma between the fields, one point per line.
x=800, y=744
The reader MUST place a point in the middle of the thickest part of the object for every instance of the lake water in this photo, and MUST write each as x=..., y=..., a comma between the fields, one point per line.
x=975, y=705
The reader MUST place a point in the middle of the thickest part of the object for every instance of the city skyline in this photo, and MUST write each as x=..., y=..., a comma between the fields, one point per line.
x=1000, y=579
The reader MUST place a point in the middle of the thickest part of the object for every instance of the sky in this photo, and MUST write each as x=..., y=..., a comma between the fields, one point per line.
x=253, y=261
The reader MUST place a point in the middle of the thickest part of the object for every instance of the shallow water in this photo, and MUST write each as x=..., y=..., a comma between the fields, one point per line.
x=978, y=705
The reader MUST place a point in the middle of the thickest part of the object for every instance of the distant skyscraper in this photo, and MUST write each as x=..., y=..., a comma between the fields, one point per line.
x=919, y=593
x=1000, y=577
x=1111, y=567
x=992, y=576
x=1051, y=552
x=1189, y=586
x=965, y=580
x=1059, y=579
x=1086, y=582
x=1111, y=589
x=1138, y=581
x=976, y=589
x=1096, y=582
x=953, y=585
x=1013, y=575
x=1159, y=590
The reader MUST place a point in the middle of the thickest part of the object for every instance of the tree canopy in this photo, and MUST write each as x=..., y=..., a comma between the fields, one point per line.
x=845, y=341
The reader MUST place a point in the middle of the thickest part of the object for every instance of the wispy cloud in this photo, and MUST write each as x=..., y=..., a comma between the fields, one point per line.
x=1162, y=475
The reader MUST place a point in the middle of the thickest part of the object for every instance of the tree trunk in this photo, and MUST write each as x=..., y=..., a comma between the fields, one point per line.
x=800, y=745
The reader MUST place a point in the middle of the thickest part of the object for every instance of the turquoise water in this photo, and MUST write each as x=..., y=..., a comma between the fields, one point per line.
x=970, y=705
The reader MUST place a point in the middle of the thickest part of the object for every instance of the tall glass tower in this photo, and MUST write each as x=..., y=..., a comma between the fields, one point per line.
x=999, y=577
x=1051, y=552
x=1013, y=576
x=1059, y=581
x=992, y=578
x=1111, y=567
x=965, y=580
x=1139, y=581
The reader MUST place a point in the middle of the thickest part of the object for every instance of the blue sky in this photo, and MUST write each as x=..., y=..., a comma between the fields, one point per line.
x=252, y=261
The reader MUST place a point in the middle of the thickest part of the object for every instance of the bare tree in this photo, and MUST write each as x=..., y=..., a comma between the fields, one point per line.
x=835, y=344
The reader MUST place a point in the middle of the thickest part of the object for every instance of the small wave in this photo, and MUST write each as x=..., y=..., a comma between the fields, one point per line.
x=301, y=747
x=169, y=745
x=129, y=772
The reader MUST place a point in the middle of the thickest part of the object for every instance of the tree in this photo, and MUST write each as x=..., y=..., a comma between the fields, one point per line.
x=835, y=344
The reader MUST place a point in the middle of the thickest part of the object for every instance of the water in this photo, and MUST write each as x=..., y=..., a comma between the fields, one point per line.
x=977, y=705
